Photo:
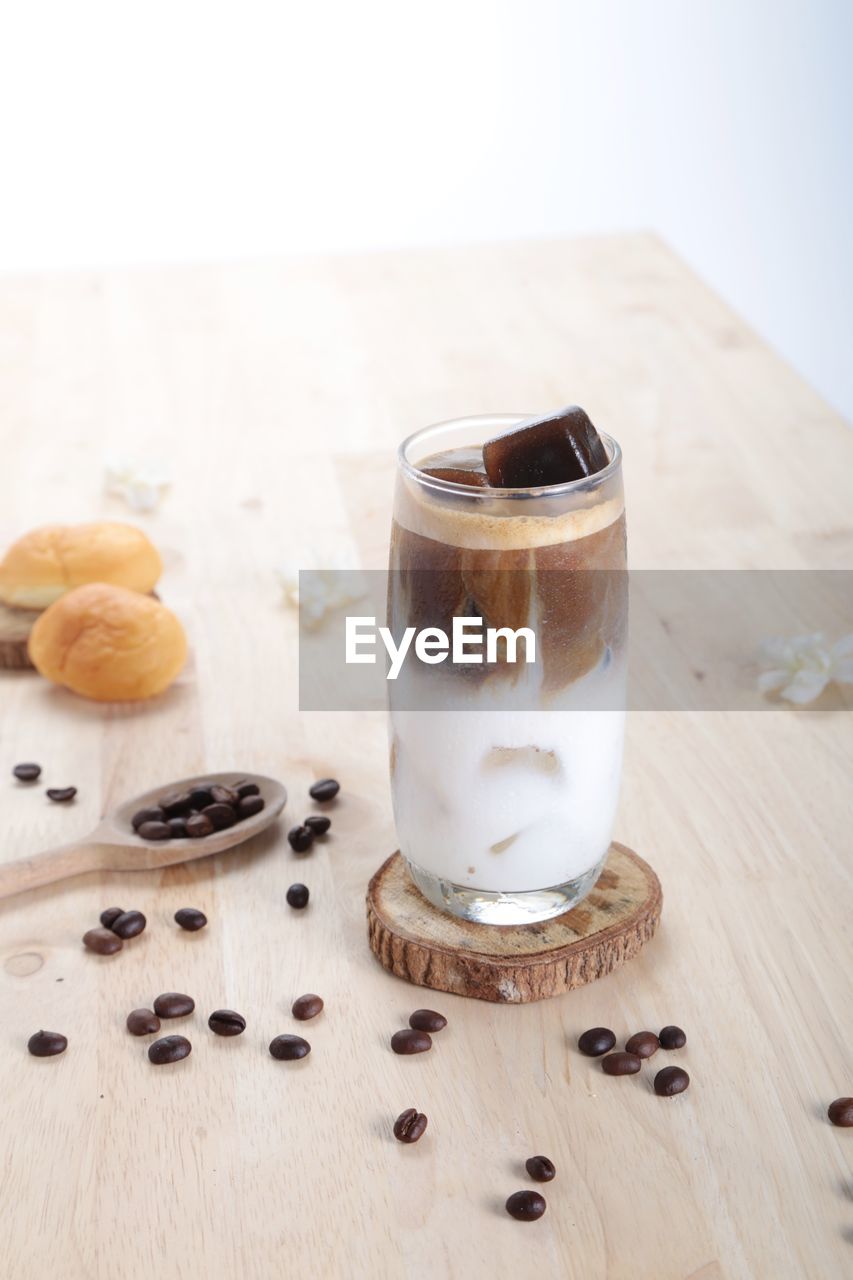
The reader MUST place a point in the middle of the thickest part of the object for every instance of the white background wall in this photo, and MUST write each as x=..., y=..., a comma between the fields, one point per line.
x=177, y=130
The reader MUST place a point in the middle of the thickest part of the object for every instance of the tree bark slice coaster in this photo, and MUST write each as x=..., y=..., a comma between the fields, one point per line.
x=514, y=964
x=15, y=627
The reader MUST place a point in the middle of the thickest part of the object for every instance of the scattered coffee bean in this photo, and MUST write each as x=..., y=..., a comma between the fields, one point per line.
x=152, y=814
x=178, y=828
x=169, y=1049
x=109, y=917
x=672, y=1038
x=177, y=804
x=248, y=806
x=27, y=772
x=306, y=1007
x=61, y=795
x=142, y=1022
x=297, y=896
x=200, y=795
x=173, y=1004
x=526, y=1206
x=621, y=1064
x=225, y=1022
x=325, y=789
x=670, y=1081
x=318, y=823
x=287, y=1048
x=410, y=1125
x=129, y=924
x=47, y=1044
x=198, y=824
x=596, y=1041
x=245, y=789
x=427, y=1020
x=221, y=815
x=643, y=1044
x=411, y=1042
x=154, y=831
x=104, y=941
x=840, y=1112
x=300, y=839
x=190, y=919
x=540, y=1168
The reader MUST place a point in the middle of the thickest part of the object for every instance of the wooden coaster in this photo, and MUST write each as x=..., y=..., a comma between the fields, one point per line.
x=15, y=627
x=513, y=964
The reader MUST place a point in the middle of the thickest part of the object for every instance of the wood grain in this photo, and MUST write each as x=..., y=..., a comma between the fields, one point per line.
x=277, y=392
x=513, y=965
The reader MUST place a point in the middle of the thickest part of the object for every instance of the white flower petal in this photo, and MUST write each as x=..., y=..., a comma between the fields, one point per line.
x=773, y=681
x=805, y=687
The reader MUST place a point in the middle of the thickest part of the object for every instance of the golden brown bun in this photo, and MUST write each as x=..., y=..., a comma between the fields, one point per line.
x=39, y=567
x=108, y=643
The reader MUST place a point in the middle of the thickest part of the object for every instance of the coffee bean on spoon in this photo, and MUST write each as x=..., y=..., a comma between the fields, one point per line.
x=177, y=804
x=129, y=924
x=288, y=1048
x=411, y=1042
x=220, y=814
x=672, y=1038
x=27, y=772
x=152, y=814
x=142, y=1022
x=318, y=823
x=178, y=828
x=596, y=1041
x=643, y=1043
x=225, y=1022
x=173, y=1004
x=246, y=789
x=190, y=919
x=324, y=790
x=103, y=941
x=224, y=795
x=61, y=795
x=169, y=1049
x=297, y=896
x=526, y=1206
x=47, y=1044
x=307, y=1006
x=199, y=825
x=300, y=839
x=670, y=1081
x=200, y=795
x=621, y=1064
x=840, y=1112
x=154, y=831
x=540, y=1168
x=109, y=916
x=427, y=1020
x=248, y=806
x=410, y=1125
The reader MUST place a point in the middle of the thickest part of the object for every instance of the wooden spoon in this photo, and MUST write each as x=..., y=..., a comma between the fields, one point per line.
x=115, y=846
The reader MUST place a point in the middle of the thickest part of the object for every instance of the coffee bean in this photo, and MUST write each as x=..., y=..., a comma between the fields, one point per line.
x=173, y=1004
x=670, y=1081
x=300, y=839
x=410, y=1042
x=152, y=814
x=47, y=1044
x=178, y=828
x=142, y=1022
x=596, y=1041
x=104, y=941
x=672, y=1038
x=287, y=1048
x=248, y=806
x=245, y=789
x=190, y=919
x=410, y=1125
x=109, y=917
x=177, y=804
x=61, y=795
x=325, y=789
x=129, y=924
x=27, y=772
x=224, y=795
x=540, y=1168
x=840, y=1112
x=297, y=896
x=169, y=1049
x=318, y=823
x=225, y=1022
x=620, y=1064
x=200, y=796
x=155, y=831
x=221, y=815
x=306, y=1007
x=526, y=1206
x=199, y=825
x=643, y=1044
x=427, y=1020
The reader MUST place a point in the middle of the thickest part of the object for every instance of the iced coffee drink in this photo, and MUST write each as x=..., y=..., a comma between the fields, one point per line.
x=505, y=770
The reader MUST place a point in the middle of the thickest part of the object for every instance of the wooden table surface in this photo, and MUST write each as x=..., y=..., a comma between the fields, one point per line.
x=277, y=393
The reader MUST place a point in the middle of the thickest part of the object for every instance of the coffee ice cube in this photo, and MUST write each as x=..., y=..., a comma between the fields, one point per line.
x=541, y=451
x=458, y=475
x=459, y=466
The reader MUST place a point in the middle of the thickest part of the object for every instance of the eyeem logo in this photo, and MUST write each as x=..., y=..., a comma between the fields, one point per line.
x=432, y=645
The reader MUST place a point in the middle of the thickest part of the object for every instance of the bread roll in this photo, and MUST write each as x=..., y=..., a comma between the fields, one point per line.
x=41, y=566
